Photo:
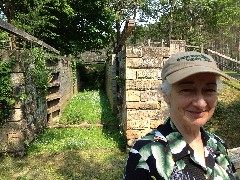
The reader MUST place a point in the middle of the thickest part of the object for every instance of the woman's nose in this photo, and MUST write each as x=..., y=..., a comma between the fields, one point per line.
x=199, y=100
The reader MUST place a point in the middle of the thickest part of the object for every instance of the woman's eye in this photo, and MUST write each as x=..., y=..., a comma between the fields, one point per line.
x=211, y=90
x=186, y=90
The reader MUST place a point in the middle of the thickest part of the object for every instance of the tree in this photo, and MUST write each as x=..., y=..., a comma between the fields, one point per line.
x=70, y=26
x=214, y=23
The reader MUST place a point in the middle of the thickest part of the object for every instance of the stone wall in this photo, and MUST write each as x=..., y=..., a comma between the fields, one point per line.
x=32, y=113
x=28, y=116
x=138, y=74
x=61, y=86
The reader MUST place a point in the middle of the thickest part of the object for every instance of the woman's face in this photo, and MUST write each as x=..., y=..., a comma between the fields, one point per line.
x=192, y=100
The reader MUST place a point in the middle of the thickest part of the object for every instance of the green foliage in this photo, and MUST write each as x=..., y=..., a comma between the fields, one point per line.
x=70, y=26
x=39, y=72
x=91, y=76
x=3, y=35
x=34, y=65
x=6, y=90
x=211, y=23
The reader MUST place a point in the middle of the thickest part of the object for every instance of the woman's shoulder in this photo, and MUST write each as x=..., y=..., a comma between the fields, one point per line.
x=149, y=139
x=217, y=143
x=214, y=137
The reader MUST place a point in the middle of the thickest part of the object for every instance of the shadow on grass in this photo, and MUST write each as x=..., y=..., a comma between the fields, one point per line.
x=79, y=165
x=111, y=122
x=97, y=165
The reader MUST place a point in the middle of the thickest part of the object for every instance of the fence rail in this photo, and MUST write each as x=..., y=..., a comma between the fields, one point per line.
x=225, y=61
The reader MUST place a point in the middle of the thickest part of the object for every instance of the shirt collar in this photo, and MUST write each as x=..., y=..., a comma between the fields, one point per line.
x=178, y=145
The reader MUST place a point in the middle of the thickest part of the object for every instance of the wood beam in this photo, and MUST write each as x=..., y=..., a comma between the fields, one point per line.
x=22, y=34
x=129, y=26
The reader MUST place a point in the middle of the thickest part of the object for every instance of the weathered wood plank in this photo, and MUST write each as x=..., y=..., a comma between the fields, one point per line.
x=22, y=34
x=129, y=26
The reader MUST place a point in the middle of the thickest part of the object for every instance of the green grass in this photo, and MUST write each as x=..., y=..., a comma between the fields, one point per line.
x=54, y=140
x=88, y=106
x=65, y=165
x=74, y=153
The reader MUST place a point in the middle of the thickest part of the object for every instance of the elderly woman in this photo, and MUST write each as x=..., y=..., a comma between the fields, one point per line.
x=180, y=148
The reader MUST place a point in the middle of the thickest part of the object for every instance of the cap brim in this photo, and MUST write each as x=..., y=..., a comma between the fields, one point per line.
x=188, y=71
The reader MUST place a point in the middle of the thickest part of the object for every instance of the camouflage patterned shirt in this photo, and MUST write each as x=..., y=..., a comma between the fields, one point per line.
x=164, y=154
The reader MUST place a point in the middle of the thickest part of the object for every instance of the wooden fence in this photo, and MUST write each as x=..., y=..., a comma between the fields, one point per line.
x=225, y=61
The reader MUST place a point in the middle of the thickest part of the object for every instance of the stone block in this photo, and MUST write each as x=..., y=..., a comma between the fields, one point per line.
x=138, y=124
x=150, y=105
x=134, y=115
x=133, y=134
x=143, y=105
x=155, y=62
x=177, y=46
x=15, y=141
x=144, y=132
x=17, y=115
x=151, y=95
x=155, y=114
x=17, y=79
x=155, y=52
x=155, y=123
x=133, y=62
x=130, y=142
x=148, y=74
x=144, y=115
x=131, y=74
x=17, y=125
x=133, y=51
x=132, y=95
x=142, y=84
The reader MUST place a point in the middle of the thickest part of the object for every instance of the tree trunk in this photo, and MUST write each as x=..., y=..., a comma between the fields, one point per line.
x=171, y=19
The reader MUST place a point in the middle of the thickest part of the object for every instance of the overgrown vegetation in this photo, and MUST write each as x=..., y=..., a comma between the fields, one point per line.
x=92, y=76
x=55, y=140
x=32, y=63
x=6, y=90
